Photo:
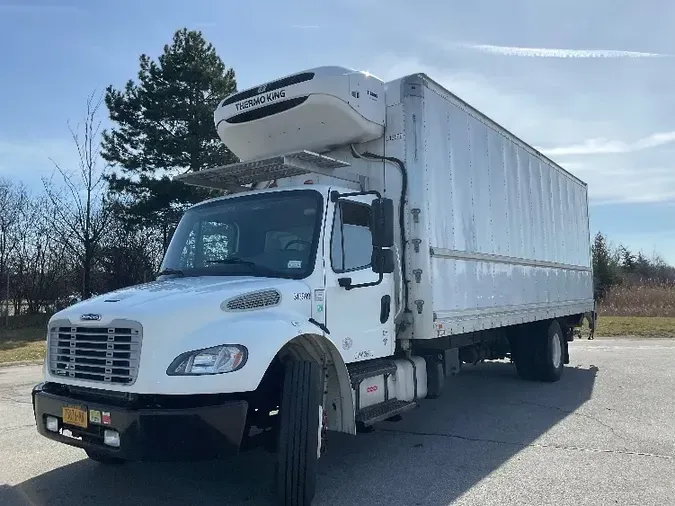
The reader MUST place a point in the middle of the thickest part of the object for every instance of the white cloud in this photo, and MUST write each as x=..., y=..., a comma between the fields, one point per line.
x=535, y=119
x=612, y=185
x=606, y=146
x=571, y=166
x=539, y=52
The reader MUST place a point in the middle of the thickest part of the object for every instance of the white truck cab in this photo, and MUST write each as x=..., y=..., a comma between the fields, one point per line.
x=347, y=272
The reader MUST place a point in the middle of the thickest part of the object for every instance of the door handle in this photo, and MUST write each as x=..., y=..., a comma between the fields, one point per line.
x=385, y=308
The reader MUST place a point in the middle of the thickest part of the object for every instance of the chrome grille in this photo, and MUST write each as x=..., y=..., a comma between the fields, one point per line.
x=107, y=354
x=254, y=300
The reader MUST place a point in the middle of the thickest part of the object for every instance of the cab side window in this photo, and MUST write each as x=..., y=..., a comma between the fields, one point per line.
x=352, y=243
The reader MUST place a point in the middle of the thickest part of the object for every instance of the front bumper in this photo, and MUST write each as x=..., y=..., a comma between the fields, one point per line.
x=149, y=427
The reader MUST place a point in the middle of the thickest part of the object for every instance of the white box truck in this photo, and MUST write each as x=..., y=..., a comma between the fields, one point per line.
x=374, y=238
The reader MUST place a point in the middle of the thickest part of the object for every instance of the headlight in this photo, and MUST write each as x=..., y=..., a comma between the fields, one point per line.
x=216, y=360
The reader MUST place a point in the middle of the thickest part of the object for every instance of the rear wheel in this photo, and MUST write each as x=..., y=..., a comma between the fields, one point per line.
x=551, y=356
x=299, y=440
x=523, y=354
x=103, y=459
x=540, y=356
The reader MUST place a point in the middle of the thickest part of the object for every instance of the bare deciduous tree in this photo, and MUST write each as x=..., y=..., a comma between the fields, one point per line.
x=80, y=212
x=42, y=264
x=13, y=200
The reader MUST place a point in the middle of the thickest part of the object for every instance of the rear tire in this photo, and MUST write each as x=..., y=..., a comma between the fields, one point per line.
x=541, y=356
x=298, y=443
x=526, y=369
x=103, y=459
x=523, y=354
x=551, y=356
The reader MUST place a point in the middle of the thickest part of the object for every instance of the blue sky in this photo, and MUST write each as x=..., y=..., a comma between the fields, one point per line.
x=588, y=83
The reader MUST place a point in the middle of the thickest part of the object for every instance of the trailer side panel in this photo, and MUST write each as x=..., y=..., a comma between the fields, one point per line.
x=502, y=230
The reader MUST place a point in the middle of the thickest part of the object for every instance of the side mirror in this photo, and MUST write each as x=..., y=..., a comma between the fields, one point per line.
x=382, y=261
x=382, y=223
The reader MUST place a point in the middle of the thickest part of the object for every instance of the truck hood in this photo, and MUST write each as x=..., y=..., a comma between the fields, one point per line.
x=165, y=319
x=186, y=293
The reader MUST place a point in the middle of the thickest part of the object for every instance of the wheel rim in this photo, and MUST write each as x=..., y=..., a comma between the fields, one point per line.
x=556, y=350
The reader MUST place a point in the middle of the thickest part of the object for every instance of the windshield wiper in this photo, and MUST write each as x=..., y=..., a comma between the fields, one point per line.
x=169, y=272
x=259, y=269
x=232, y=260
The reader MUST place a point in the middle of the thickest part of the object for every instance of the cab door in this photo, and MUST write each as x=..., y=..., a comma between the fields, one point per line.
x=360, y=319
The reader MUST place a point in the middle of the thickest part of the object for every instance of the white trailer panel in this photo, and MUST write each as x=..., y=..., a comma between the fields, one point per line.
x=502, y=231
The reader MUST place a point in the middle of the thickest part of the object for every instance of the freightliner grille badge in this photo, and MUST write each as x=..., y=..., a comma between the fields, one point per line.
x=90, y=317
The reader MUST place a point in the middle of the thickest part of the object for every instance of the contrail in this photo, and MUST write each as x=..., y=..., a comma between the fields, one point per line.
x=539, y=52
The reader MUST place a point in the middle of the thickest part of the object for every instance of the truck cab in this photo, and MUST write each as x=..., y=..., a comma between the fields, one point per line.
x=305, y=253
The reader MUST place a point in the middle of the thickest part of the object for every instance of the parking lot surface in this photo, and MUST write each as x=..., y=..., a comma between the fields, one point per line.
x=603, y=435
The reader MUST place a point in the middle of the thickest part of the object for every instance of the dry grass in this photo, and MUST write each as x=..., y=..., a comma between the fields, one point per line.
x=635, y=326
x=640, y=299
x=26, y=344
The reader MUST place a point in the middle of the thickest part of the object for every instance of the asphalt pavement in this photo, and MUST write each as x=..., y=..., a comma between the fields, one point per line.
x=603, y=435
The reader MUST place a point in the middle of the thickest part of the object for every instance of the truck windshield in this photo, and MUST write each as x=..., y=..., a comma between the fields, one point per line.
x=269, y=235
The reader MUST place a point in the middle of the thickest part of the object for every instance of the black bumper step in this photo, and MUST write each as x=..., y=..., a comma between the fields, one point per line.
x=362, y=370
x=380, y=412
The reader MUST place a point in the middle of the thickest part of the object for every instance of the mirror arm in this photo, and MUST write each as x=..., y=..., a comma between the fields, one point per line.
x=365, y=285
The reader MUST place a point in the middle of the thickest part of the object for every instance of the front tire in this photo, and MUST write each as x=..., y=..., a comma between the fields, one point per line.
x=435, y=377
x=298, y=443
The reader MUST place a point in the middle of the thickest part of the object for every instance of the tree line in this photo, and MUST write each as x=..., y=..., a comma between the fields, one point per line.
x=615, y=265
x=106, y=222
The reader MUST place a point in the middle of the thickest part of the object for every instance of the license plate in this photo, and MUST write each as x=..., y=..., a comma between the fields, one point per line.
x=75, y=416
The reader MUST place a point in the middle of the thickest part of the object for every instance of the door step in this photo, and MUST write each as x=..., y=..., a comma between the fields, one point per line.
x=380, y=412
x=362, y=370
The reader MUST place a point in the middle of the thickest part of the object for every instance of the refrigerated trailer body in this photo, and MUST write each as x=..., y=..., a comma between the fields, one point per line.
x=499, y=232
x=374, y=237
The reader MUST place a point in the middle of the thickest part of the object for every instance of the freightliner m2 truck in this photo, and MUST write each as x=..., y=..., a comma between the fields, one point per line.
x=373, y=239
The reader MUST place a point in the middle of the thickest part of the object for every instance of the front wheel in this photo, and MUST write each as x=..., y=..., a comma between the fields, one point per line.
x=299, y=440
